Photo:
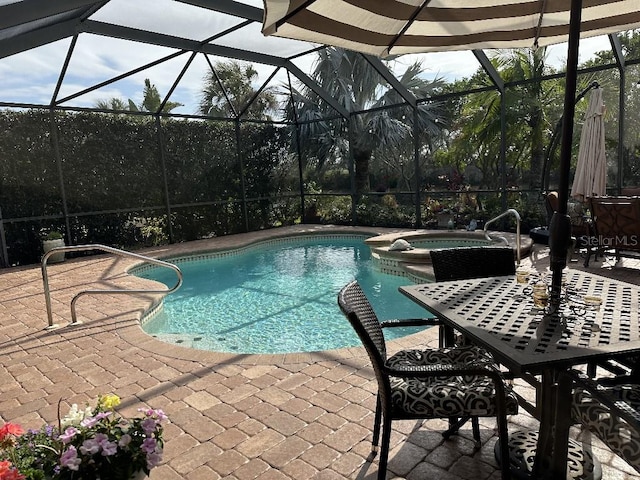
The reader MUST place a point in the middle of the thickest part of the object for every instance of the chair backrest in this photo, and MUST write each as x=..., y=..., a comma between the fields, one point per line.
x=630, y=191
x=616, y=220
x=472, y=262
x=356, y=307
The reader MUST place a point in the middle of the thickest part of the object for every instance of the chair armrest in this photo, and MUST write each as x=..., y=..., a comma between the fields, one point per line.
x=437, y=370
x=600, y=394
x=410, y=322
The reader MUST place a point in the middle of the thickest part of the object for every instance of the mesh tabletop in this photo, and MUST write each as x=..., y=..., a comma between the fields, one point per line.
x=498, y=313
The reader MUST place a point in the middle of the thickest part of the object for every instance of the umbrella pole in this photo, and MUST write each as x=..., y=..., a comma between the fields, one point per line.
x=560, y=227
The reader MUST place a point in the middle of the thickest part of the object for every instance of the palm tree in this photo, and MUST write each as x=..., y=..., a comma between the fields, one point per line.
x=228, y=90
x=530, y=99
x=526, y=105
x=150, y=103
x=113, y=103
x=351, y=80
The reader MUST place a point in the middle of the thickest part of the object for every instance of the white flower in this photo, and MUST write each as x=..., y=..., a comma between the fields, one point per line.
x=75, y=416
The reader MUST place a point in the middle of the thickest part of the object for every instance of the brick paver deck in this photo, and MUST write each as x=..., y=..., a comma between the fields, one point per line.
x=289, y=416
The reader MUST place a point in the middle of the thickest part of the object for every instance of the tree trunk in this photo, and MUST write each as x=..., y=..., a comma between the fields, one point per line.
x=361, y=163
x=537, y=151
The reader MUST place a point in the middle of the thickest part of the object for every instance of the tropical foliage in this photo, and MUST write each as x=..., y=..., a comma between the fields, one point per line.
x=132, y=180
x=374, y=128
x=198, y=172
x=228, y=92
x=528, y=104
x=151, y=102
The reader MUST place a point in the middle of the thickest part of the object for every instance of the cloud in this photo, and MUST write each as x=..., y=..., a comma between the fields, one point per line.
x=31, y=76
x=446, y=65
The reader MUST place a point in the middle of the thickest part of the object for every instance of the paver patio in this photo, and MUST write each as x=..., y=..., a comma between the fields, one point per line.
x=284, y=416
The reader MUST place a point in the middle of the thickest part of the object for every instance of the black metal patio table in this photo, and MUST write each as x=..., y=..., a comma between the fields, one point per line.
x=498, y=313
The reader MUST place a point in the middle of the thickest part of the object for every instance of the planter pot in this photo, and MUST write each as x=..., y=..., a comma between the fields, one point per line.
x=50, y=244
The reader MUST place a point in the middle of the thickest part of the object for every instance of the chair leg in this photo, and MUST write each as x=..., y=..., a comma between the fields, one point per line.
x=376, y=426
x=454, y=425
x=384, y=447
x=475, y=425
x=503, y=436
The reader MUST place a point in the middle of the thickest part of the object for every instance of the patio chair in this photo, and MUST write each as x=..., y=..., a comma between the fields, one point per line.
x=625, y=369
x=458, y=382
x=611, y=412
x=472, y=262
x=469, y=262
x=616, y=225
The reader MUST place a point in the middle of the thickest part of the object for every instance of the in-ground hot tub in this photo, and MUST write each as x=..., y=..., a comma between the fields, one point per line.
x=416, y=262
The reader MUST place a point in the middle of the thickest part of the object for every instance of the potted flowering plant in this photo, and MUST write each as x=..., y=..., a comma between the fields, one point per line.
x=87, y=444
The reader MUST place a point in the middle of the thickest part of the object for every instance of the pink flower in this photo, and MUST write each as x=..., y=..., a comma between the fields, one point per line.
x=92, y=421
x=109, y=448
x=153, y=459
x=124, y=440
x=70, y=459
x=68, y=434
x=149, y=445
x=157, y=414
x=97, y=440
x=91, y=445
x=148, y=425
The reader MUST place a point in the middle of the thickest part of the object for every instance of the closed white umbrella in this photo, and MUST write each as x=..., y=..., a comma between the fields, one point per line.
x=591, y=170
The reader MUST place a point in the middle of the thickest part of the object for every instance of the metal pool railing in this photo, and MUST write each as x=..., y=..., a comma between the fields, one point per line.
x=104, y=248
x=515, y=213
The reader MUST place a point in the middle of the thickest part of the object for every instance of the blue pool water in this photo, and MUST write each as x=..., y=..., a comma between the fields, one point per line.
x=275, y=299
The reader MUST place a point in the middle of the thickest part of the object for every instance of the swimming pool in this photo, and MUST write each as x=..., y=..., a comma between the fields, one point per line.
x=277, y=298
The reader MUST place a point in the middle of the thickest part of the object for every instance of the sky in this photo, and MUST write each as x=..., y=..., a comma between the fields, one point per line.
x=30, y=77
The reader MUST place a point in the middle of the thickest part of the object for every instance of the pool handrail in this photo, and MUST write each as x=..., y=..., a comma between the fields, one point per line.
x=104, y=248
x=510, y=211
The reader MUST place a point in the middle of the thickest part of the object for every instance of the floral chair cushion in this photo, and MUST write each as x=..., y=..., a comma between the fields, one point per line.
x=442, y=397
x=611, y=429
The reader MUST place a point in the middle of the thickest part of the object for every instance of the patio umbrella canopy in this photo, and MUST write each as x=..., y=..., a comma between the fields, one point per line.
x=395, y=27
x=591, y=170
